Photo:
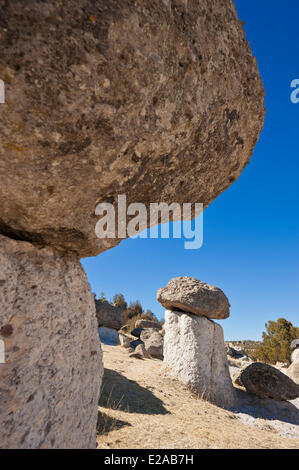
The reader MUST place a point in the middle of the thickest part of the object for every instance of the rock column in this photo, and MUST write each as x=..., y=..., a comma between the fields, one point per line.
x=50, y=381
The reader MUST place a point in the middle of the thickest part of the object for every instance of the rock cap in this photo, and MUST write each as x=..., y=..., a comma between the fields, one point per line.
x=190, y=295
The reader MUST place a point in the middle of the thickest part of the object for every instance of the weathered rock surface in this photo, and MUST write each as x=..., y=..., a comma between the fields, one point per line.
x=140, y=352
x=135, y=343
x=194, y=350
x=236, y=376
x=124, y=340
x=50, y=383
x=146, y=333
x=154, y=344
x=265, y=381
x=295, y=355
x=236, y=353
x=109, y=316
x=293, y=372
x=109, y=336
x=192, y=296
x=295, y=344
x=148, y=324
x=136, y=332
x=160, y=101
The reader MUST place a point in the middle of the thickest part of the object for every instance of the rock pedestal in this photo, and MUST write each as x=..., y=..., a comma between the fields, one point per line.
x=50, y=381
x=194, y=350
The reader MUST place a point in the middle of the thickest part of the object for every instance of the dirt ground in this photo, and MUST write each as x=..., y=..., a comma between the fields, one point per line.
x=142, y=406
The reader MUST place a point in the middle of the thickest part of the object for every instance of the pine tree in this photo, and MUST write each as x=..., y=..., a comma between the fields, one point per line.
x=276, y=342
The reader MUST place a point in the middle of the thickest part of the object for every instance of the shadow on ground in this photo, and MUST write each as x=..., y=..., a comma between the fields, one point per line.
x=106, y=424
x=120, y=393
x=268, y=409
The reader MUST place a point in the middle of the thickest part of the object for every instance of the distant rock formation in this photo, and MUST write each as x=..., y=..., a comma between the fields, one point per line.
x=153, y=344
x=109, y=316
x=194, y=348
x=148, y=324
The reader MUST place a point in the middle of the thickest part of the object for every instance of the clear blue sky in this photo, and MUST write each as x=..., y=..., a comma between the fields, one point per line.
x=251, y=231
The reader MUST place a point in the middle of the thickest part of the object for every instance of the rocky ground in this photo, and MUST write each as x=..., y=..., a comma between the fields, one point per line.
x=142, y=406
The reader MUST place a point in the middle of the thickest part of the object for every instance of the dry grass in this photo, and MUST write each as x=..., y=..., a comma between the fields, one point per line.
x=142, y=407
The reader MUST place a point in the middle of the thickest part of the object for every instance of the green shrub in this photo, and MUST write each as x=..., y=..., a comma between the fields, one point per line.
x=276, y=342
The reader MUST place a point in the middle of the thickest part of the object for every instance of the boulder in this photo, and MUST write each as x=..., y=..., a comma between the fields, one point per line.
x=140, y=349
x=192, y=296
x=235, y=352
x=236, y=376
x=51, y=380
x=266, y=381
x=159, y=101
x=146, y=333
x=148, y=324
x=154, y=344
x=124, y=340
x=293, y=372
x=109, y=316
x=135, y=343
x=136, y=332
x=195, y=353
x=109, y=336
x=295, y=344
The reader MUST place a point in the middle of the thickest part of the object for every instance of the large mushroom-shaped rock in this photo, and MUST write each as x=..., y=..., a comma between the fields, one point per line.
x=148, y=324
x=50, y=381
x=159, y=101
x=266, y=381
x=192, y=296
x=109, y=316
x=194, y=351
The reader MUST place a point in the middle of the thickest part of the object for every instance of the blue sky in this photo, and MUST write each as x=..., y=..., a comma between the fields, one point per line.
x=251, y=242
